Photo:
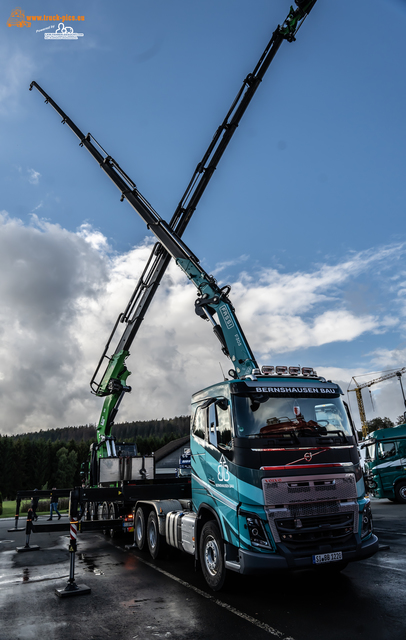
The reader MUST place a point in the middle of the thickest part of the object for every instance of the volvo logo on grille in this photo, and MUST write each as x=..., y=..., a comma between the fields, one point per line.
x=308, y=456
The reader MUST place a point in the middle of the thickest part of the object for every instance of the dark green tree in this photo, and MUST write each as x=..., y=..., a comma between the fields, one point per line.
x=66, y=468
x=379, y=423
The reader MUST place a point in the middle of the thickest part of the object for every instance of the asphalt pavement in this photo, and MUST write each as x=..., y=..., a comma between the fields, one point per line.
x=134, y=597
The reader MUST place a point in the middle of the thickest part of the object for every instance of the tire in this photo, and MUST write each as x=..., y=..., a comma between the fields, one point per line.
x=155, y=541
x=93, y=510
x=211, y=550
x=85, y=511
x=104, y=513
x=139, y=528
x=112, y=516
x=400, y=492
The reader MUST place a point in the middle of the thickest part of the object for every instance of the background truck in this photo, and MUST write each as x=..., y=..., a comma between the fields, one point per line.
x=276, y=480
x=385, y=463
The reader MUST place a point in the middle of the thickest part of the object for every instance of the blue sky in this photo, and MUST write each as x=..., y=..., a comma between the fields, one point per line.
x=304, y=215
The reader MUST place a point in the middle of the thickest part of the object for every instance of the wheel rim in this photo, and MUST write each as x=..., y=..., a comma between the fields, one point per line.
x=139, y=529
x=402, y=492
x=211, y=556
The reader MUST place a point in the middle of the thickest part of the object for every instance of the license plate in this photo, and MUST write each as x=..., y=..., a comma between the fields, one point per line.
x=322, y=558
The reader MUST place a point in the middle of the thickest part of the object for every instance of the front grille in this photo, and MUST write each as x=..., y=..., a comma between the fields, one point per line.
x=315, y=530
x=311, y=510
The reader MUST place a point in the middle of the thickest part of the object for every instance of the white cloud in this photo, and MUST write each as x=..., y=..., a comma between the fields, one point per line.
x=221, y=266
x=33, y=176
x=61, y=293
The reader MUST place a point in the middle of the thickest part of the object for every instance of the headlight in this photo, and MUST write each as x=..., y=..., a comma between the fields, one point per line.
x=366, y=515
x=257, y=532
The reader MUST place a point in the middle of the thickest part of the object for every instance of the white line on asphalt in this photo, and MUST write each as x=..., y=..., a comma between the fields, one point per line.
x=31, y=580
x=383, y=565
x=254, y=621
x=397, y=533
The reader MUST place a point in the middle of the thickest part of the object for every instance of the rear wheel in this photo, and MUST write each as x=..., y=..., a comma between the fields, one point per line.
x=212, y=556
x=85, y=515
x=112, y=516
x=155, y=541
x=104, y=515
x=400, y=492
x=139, y=528
x=93, y=510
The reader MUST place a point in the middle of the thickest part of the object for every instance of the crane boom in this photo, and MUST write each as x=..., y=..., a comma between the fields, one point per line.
x=213, y=299
x=358, y=392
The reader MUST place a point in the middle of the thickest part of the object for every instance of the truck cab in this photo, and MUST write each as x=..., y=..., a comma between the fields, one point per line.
x=275, y=465
x=385, y=463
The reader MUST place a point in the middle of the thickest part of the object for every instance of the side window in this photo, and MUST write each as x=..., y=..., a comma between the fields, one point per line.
x=386, y=450
x=223, y=425
x=200, y=423
x=212, y=424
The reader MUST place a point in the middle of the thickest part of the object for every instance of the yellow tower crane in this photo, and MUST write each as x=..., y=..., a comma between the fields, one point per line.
x=392, y=373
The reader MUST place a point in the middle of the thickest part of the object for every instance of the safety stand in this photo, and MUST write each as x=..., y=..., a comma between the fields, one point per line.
x=28, y=529
x=72, y=589
x=16, y=528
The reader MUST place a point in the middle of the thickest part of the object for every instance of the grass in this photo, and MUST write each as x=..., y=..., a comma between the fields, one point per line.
x=9, y=509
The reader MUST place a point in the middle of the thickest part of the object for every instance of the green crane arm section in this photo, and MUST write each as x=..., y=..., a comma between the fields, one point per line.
x=212, y=300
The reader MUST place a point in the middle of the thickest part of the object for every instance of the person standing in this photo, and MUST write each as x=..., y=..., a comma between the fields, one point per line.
x=53, y=506
x=34, y=505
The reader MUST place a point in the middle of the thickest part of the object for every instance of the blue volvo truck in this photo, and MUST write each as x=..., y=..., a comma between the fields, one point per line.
x=276, y=478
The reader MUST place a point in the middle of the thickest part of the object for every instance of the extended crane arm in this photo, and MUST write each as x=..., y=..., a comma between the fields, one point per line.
x=214, y=300
x=113, y=382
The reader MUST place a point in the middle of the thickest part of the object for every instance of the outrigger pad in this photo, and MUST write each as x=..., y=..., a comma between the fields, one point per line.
x=73, y=590
x=34, y=547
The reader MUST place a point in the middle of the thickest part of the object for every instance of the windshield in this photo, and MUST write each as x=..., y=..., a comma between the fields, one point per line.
x=260, y=415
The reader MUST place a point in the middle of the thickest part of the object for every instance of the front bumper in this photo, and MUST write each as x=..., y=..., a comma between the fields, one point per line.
x=257, y=563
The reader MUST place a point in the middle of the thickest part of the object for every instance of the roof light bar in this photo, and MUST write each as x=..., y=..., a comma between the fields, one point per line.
x=268, y=370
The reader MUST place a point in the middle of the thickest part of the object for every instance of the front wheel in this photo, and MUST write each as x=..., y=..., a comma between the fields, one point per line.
x=400, y=492
x=212, y=556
